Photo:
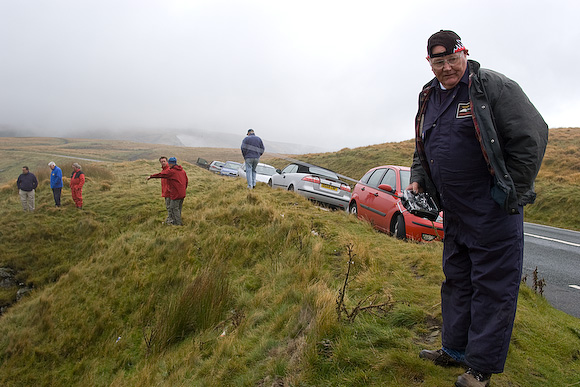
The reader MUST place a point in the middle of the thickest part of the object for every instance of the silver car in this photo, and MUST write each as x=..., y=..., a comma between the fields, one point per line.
x=230, y=168
x=216, y=166
x=314, y=183
x=263, y=172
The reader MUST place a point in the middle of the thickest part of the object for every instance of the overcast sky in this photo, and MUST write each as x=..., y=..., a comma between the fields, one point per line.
x=333, y=74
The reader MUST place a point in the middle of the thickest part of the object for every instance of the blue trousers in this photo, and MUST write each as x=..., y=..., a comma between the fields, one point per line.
x=251, y=165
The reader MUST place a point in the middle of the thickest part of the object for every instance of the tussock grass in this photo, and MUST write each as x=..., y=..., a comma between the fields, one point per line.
x=243, y=294
x=202, y=305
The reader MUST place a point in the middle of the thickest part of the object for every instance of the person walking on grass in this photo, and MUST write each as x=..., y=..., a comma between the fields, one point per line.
x=27, y=184
x=177, y=184
x=55, y=182
x=77, y=180
x=479, y=146
x=252, y=149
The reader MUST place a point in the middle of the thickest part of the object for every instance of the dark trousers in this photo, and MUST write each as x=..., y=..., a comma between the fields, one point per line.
x=479, y=295
x=175, y=212
x=56, y=194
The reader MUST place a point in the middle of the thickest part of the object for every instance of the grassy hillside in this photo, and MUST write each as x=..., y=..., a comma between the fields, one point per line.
x=245, y=294
x=558, y=183
x=36, y=152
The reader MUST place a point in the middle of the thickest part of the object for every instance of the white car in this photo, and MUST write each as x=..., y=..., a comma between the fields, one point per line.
x=263, y=172
x=314, y=183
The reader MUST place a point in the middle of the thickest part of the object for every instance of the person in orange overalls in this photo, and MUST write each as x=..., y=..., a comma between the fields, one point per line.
x=77, y=180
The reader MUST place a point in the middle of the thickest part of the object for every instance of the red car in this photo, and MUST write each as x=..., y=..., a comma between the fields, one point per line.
x=377, y=199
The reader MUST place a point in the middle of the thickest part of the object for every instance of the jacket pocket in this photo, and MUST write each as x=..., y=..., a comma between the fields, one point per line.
x=500, y=194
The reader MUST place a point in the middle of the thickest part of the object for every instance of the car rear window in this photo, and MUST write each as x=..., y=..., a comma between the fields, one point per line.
x=232, y=165
x=323, y=172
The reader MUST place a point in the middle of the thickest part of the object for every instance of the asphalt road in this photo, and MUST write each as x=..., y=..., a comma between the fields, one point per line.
x=556, y=254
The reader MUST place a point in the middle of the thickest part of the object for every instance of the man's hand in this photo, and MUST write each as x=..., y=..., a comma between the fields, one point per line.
x=415, y=187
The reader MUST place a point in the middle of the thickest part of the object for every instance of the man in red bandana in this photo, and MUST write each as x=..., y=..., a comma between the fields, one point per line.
x=479, y=146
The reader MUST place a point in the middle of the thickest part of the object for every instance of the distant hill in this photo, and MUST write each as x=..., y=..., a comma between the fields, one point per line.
x=167, y=136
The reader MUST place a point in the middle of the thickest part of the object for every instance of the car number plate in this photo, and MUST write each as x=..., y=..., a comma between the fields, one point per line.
x=328, y=186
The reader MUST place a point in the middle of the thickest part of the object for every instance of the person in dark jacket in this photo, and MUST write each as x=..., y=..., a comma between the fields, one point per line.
x=55, y=182
x=77, y=181
x=479, y=146
x=27, y=184
x=177, y=182
x=252, y=149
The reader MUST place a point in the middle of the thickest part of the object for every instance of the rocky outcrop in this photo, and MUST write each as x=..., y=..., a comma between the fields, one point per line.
x=8, y=281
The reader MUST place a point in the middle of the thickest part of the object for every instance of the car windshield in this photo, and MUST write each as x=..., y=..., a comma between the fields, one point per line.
x=231, y=165
x=265, y=170
x=323, y=172
x=405, y=178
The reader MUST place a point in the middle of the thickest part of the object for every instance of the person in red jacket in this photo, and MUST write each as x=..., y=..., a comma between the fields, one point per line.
x=77, y=180
x=165, y=185
x=177, y=182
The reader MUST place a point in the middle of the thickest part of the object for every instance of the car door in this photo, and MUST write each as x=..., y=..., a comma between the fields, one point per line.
x=368, y=197
x=283, y=179
x=386, y=202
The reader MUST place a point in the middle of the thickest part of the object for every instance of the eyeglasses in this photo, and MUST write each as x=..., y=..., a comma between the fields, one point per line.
x=439, y=63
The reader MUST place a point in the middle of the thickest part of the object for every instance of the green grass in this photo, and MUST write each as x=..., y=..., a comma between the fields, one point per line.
x=243, y=295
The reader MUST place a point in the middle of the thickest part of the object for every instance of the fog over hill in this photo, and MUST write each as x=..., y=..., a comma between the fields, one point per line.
x=165, y=136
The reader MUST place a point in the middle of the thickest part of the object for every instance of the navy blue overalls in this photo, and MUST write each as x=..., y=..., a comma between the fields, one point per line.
x=483, y=246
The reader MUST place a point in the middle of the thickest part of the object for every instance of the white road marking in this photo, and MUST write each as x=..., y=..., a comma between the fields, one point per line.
x=552, y=239
x=575, y=286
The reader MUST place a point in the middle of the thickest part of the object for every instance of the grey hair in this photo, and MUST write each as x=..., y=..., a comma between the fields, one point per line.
x=76, y=165
x=51, y=164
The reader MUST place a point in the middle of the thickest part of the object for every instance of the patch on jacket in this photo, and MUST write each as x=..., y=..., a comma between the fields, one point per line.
x=463, y=110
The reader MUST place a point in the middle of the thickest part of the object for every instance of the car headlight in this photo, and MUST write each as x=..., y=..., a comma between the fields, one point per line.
x=428, y=237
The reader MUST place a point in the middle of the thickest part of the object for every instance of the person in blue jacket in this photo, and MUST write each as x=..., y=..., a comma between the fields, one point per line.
x=252, y=149
x=479, y=144
x=55, y=182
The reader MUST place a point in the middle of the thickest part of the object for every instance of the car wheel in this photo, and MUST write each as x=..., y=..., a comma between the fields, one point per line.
x=353, y=209
x=291, y=187
x=270, y=183
x=400, y=232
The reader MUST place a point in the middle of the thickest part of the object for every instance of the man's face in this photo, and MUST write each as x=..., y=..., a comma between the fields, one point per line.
x=163, y=163
x=24, y=170
x=448, y=69
x=52, y=166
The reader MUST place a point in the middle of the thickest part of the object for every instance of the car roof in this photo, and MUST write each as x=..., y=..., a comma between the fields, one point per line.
x=308, y=165
x=399, y=167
